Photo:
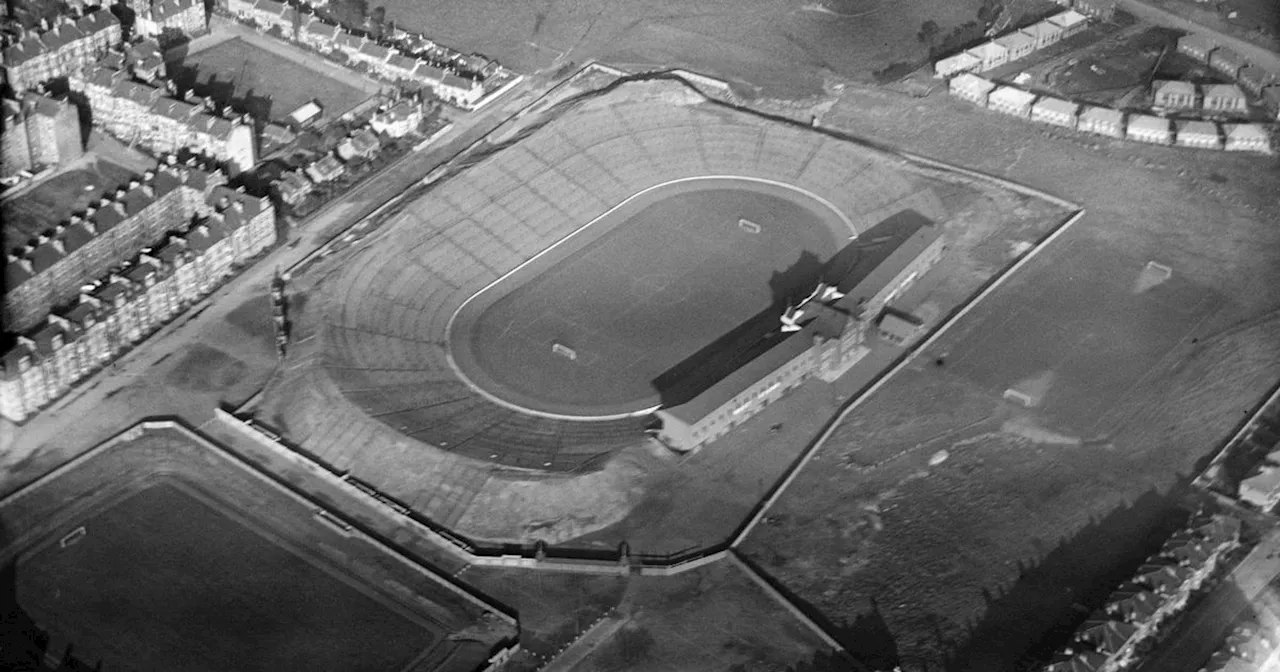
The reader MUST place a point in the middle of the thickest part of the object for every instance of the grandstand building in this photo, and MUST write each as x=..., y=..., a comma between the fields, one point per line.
x=822, y=337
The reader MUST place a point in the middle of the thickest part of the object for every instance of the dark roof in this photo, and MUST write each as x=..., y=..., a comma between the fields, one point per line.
x=867, y=264
x=401, y=61
x=426, y=70
x=80, y=314
x=44, y=257
x=175, y=109
x=111, y=289
x=76, y=236
x=171, y=251
x=375, y=50
x=107, y=217
x=16, y=273
x=457, y=82
x=140, y=270
x=137, y=200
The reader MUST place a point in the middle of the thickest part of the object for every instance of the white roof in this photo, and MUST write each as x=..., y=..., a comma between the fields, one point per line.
x=1011, y=96
x=1197, y=128
x=962, y=59
x=1223, y=90
x=972, y=82
x=1175, y=85
x=1042, y=28
x=1147, y=122
x=1057, y=105
x=1103, y=114
x=1245, y=131
x=988, y=49
x=1014, y=40
x=305, y=112
x=1069, y=18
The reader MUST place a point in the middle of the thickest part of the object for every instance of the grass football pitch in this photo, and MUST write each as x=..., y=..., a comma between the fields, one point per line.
x=164, y=580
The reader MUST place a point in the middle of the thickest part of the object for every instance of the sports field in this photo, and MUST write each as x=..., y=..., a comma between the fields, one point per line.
x=263, y=83
x=166, y=581
x=638, y=291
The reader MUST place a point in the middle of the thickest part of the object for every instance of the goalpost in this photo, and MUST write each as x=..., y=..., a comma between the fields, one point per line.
x=564, y=351
x=748, y=226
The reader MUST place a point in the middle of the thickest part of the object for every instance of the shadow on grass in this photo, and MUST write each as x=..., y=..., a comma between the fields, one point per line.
x=1024, y=624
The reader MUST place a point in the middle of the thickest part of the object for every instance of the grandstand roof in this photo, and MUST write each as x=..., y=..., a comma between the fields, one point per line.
x=860, y=270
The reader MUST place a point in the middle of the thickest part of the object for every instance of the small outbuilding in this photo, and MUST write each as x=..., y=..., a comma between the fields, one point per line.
x=1247, y=138
x=1150, y=129
x=1055, y=111
x=1271, y=97
x=1173, y=94
x=306, y=113
x=1196, y=46
x=952, y=65
x=1199, y=134
x=1254, y=79
x=1011, y=100
x=1224, y=98
x=1101, y=120
x=1226, y=62
x=1019, y=45
x=971, y=87
x=1071, y=22
x=1044, y=33
x=991, y=54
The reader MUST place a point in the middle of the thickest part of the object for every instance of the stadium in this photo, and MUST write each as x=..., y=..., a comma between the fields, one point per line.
x=529, y=311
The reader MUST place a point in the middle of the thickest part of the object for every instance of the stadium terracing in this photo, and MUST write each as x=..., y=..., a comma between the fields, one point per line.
x=377, y=375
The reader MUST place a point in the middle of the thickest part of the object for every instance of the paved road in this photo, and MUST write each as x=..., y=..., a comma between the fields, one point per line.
x=1202, y=632
x=94, y=411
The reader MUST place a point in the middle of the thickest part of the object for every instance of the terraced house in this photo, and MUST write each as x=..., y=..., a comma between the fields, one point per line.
x=39, y=131
x=65, y=49
x=184, y=16
x=142, y=114
x=50, y=271
x=128, y=303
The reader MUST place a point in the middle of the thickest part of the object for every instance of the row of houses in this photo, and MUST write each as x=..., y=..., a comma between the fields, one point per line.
x=396, y=121
x=1012, y=46
x=1209, y=99
x=1249, y=647
x=143, y=114
x=1227, y=62
x=38, y=131
x=67, y=47
x=387, y=62
x=155, y=17
x=1244, y=137
x=50, y=269
x=128, y=303
x=1108, y=640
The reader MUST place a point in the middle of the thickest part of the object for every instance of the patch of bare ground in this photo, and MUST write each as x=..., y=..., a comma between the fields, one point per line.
x=713, y=619
x=972, y=559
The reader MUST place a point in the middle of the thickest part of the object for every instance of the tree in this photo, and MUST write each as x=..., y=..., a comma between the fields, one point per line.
x=929, y=32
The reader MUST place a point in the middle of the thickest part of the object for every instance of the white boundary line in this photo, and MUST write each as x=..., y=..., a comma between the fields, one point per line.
x=839, y=419
x=448, y=330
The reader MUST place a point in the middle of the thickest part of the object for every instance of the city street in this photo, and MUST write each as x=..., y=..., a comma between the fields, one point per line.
x=135, y=386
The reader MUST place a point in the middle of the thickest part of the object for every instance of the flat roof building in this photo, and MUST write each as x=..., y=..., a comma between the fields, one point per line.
x=951, y=65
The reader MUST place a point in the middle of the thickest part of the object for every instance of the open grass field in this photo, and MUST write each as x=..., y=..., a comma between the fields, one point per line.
x=1034, y=507
x=170, y=575
x=263, y=83
x=781, y=48
x=639, y=291
x=57, y=198
x=166, y=580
